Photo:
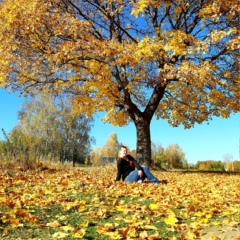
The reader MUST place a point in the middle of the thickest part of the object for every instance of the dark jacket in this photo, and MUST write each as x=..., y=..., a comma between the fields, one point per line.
x=124, y=167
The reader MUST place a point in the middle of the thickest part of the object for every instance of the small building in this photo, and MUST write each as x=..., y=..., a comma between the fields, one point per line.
x=107, y=159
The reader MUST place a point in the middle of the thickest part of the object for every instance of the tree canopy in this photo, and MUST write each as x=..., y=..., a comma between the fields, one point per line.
x=176, y=59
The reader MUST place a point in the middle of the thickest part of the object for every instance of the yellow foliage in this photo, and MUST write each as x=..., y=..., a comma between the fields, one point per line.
x=196, y=196
x=153, y=206
x=79, y=233
x=115, y=65
x=224, y=113
x=171, y=219
x=139, y=7
x=60, y=235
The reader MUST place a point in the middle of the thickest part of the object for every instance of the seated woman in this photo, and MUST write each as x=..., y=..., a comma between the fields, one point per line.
x=129, y=170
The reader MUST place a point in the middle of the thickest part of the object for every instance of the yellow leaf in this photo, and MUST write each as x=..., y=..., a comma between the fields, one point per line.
x=153, y=206
x=85, y=224
x=191, y=235
x=198, y=214
x=59, y=235
x=103, y=229
x=171, y=220
x=67, y=228
x=132, y=232
x=79, y=234
x=102, y=212
x=121, y=208
x=54, y=224
x=216, y=223
x=224, y=113
x=150, y=227
x=114, y=235
x=215, y=238
x=205, y=220
x=144, y=235
x=5, y=232
x=48, y=191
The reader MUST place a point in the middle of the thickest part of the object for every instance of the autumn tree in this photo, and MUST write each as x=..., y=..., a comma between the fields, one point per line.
x=132, y=59
x=210, y=165
x=236, y=166
x=74, y=129
x=158, y=154
x=112, y=146
x=174, y=156
x=133, y=152
x=4, y=149
x=107, y=153
x=37, y=121
x=96, y=156
x=53, y=130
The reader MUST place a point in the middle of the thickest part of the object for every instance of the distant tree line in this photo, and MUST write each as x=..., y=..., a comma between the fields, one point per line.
x=213, y=165
x=48, y=128
x=171, y=157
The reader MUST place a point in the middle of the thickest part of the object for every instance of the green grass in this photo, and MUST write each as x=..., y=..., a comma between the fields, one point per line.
x=72, y=217
x=76, y=218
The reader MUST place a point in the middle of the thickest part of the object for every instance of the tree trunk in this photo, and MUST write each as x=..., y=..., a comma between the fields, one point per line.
x=142, y=122
x=143, y=142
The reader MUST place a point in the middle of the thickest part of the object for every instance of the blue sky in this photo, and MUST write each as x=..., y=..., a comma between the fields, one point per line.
x=203, y=142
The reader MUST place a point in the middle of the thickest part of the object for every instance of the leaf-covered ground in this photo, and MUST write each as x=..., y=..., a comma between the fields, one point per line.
x=87, y=203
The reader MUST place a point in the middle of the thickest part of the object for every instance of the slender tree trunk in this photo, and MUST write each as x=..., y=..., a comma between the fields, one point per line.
x=143, y=142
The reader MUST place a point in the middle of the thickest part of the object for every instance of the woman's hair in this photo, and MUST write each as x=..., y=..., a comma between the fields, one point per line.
x=122, y=146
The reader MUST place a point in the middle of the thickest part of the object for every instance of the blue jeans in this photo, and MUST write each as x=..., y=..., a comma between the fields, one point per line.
x=134, y=177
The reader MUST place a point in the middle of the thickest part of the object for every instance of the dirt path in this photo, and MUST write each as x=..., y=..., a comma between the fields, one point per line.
x=221, y=233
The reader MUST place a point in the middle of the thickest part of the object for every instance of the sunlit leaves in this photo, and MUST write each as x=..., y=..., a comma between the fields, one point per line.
x=130, y=59
x=171, y=219
x=75, y=203
x=139, y=7
x=153, y=206
x=182, y=47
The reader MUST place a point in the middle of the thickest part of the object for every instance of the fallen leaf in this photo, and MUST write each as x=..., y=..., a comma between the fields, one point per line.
x=54, y=224
x=67, y=228
x=153, y=206
x=59, y=235
x=79, y=233
x=171, y=219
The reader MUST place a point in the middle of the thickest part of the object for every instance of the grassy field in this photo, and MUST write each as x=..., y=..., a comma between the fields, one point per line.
x=86, y=203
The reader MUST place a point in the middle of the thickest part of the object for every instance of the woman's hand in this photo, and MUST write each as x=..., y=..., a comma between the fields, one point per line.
x=140, y=173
